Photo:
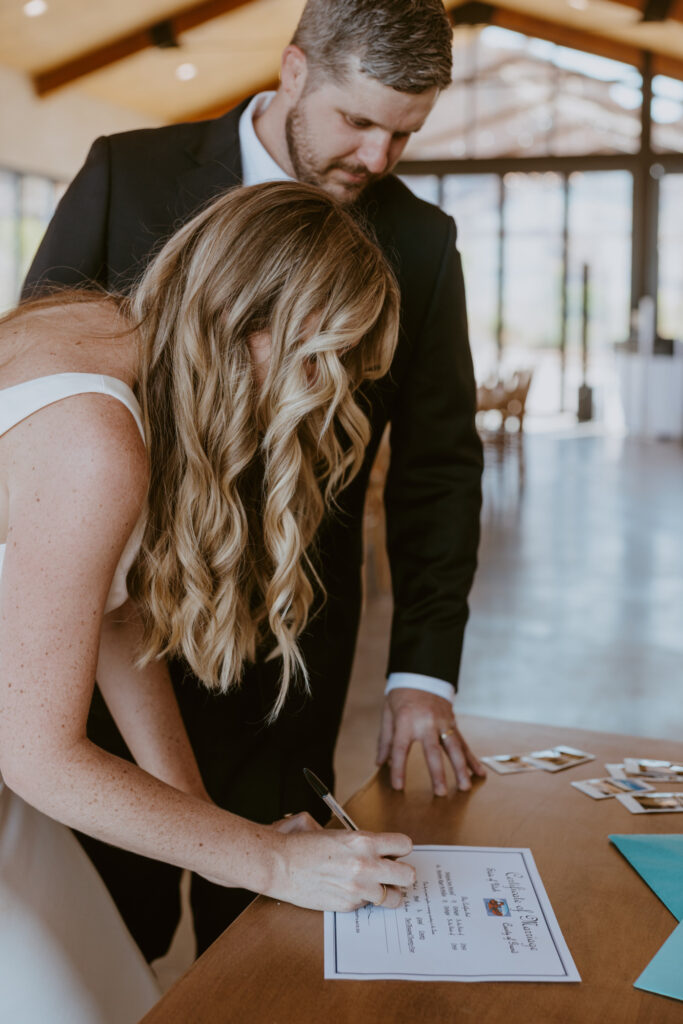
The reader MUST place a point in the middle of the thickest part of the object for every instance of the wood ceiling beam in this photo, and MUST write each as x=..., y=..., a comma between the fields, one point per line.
x=125, y=46
x=567, y=35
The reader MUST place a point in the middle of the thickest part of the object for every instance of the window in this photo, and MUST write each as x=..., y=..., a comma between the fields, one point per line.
x=517, y=96
x=670, y=299
x=26, y=204
x=667, y=114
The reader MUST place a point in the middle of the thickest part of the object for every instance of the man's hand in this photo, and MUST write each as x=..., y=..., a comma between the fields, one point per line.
x=411, y=715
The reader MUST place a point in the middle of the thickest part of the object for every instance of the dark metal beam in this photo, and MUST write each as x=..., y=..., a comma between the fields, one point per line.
x=672, y=9
x=645, y=202
x=472, y=14
x=526, y=164
x=657, y=10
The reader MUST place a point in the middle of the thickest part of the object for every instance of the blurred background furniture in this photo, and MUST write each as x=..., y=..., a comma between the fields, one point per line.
x=506, y=396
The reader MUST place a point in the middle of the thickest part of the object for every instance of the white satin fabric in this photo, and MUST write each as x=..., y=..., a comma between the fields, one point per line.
x=66, y=957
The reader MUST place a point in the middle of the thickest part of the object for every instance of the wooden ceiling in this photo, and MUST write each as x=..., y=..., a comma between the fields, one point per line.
x=116, y=50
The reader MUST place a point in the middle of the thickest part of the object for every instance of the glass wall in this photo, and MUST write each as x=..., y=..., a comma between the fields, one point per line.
x=524, y=240
x=670, y=299
x=27, y=202
x=528, y=236
x=599, y=238
x=667, y=114
x=473, y=201
x=513, y=95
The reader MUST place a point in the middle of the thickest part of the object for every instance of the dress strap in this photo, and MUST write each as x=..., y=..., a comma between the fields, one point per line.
x=22, y=400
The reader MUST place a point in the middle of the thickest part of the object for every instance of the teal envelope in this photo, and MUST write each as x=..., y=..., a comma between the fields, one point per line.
x=663, y=973
x=659, y=861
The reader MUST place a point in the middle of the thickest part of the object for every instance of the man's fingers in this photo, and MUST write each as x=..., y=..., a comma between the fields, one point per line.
x=453, y=745
x=399, y=754
x=434, y=759
x=475, y=764
x=385, y=735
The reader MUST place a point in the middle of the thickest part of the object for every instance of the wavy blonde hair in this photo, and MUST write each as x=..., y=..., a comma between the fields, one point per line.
x=241, y=471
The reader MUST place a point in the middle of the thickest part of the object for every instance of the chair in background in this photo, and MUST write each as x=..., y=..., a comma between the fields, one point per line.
x=507, y=397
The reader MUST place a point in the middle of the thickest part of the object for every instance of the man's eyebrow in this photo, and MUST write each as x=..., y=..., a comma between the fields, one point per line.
x=376, y=124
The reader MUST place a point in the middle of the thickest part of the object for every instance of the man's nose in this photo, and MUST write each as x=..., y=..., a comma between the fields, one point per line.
x=374, y=152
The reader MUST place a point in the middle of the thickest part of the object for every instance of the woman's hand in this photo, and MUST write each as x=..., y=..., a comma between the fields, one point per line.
x=301, y=822
x=333, y=870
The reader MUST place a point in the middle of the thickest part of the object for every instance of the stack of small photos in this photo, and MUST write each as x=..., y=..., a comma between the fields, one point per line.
x=641, y=771
x=555, y=759
x=630, y=782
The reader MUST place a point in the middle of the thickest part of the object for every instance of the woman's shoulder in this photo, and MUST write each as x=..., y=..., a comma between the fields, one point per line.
x=77, y=469
x=86, y=334
x=92, y=438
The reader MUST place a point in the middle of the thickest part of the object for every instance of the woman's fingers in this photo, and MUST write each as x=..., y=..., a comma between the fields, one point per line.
x=301, y=822
x=390, y=844
x=393, y=872
x=334, y=870
x=389, y=897
x=377, y=867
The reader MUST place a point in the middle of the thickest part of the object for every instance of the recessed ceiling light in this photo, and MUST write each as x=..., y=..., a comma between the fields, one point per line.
x=34, y=8
x=185, y=72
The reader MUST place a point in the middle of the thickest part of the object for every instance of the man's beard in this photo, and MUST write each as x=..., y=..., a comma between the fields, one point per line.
x=303, y=158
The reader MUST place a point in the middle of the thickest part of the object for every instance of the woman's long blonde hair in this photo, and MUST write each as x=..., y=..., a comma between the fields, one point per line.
x=241, y=471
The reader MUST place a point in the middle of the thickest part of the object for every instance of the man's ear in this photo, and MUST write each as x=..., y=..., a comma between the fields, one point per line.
x=293, y=72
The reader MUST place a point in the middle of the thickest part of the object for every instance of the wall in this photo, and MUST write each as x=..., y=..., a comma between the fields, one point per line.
x=51, y=136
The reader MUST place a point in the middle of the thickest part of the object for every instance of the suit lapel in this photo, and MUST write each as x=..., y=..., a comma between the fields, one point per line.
x=216, y=163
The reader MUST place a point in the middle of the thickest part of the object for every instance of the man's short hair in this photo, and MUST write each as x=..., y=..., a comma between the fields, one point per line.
x=405, y=44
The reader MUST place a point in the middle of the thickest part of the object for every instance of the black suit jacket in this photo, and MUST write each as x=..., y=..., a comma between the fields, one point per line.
x=130, y=195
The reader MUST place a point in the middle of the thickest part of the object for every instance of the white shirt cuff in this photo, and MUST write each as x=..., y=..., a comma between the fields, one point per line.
x=414, y=681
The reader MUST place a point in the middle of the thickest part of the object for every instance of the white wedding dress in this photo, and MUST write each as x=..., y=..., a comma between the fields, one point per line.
x=66, y=956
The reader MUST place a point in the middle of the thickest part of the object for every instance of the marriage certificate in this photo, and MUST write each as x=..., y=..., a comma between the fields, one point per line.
x=475, y=913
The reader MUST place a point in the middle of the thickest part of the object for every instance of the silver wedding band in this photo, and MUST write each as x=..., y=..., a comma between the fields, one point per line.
x=384, y=895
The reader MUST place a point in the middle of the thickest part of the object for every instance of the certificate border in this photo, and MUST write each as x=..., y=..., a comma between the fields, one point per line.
x=387, y=975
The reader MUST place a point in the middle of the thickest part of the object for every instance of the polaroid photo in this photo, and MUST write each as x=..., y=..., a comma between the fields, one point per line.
x=508, y=764
x=616, y=771
x=556, y=759
x=655, y=771
x=602, y=789
x=652, y=803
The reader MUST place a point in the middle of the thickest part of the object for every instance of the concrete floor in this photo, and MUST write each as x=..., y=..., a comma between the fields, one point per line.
x=577, y=607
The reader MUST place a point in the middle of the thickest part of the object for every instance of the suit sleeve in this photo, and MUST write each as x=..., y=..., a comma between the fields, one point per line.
x=73, y=251
x=433, y=492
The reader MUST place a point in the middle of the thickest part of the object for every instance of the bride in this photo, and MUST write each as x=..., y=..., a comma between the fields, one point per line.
x=165, y=461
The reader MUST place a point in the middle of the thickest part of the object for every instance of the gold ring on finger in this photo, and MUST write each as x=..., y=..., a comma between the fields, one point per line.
x=385, y=892
x=446, y=733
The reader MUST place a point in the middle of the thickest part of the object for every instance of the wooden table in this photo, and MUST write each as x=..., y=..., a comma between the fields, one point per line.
x=267, y=968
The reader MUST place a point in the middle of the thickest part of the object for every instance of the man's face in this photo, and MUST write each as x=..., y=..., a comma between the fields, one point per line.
x=344, y=135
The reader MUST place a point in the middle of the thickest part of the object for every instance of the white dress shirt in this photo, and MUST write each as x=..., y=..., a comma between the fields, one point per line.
x=258, y=165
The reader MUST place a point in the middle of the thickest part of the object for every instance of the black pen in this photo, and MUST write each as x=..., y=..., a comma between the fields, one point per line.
x=324, y=793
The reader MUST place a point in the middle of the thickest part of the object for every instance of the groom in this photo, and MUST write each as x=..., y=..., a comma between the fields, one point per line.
x=358, y=79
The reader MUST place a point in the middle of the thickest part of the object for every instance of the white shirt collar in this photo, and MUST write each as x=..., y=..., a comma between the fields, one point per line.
x=257, y=163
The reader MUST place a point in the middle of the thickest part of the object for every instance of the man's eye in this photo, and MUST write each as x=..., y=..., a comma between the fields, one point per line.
x=357, y=122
